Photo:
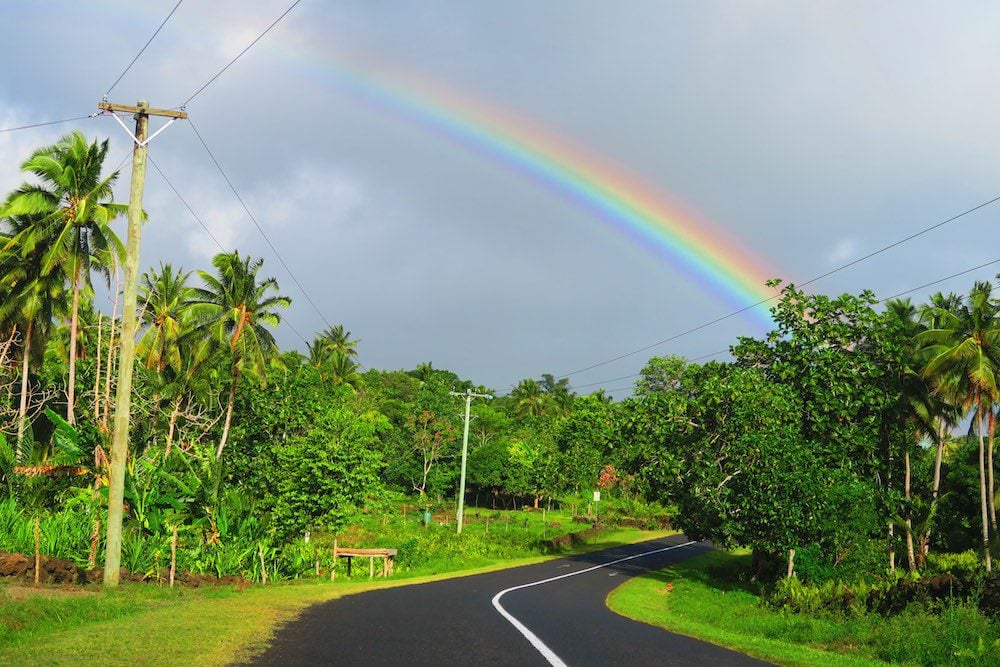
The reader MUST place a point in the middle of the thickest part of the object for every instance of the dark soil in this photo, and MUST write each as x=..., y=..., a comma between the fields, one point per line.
x=60, y=571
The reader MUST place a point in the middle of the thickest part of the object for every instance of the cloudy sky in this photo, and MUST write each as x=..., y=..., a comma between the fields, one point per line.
x=809, y=134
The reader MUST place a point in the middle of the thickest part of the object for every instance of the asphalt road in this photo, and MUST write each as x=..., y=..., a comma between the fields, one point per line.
x=454, y=622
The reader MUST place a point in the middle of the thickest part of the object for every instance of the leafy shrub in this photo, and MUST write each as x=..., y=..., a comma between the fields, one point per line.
x=964, y=564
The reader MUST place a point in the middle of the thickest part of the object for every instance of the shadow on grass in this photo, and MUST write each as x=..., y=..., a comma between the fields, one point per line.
x=724, y=572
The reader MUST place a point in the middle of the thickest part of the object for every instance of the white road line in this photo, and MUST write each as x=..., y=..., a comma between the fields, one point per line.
x=539, y=645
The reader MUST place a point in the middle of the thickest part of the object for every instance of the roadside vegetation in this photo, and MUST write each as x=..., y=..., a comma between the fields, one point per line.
x=852, y=446
x=711, y=597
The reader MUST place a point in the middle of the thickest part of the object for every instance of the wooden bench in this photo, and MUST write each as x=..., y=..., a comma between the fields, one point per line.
x=388, y=557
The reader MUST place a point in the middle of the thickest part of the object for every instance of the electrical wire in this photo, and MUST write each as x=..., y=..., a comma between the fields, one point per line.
x=186, y=205
x=50, y=122
x=209, y=232
x=886, y=299
x=692, y=330
x=148, y=42
x=635, y=375
x=239, y=55
x=939, y=280
x=257, y=225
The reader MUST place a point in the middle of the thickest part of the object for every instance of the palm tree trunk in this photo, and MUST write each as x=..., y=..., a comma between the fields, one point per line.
x=111, y=350
x=890, y=536
x=97, y=373
x=942, y=432
x=911, y=561
x=992, y=423
x=22, y=412
x=173, y=422
x=982, y=492
x=229, y=412
x=74, y=323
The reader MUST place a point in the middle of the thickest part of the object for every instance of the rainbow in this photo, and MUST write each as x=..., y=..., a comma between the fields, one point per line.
x=617, y=198
x=718, y=262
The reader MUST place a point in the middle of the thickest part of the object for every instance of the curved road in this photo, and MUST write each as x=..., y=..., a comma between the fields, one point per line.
x=455, y=622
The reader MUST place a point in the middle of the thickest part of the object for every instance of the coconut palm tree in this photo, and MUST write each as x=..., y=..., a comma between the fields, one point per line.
x=963, y=351
x=32, y=299
x=343, y=370
x=530, y=400
x=70, y=208
x=335, y=339
x=167, y=315
x=240, y=311
x=927, y=414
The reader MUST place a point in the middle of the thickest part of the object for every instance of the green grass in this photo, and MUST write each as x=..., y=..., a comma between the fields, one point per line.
x=146, y=624
x=704, y=598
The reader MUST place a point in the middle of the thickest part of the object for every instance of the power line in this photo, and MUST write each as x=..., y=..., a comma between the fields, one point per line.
x=940, y=280
x=186, y=205
x=50, y=122
x=148, y=42
x=257, y=225
x=888, y=298
x=635, y=375
x=810, y=281
x=240, y=54
x=209, y=232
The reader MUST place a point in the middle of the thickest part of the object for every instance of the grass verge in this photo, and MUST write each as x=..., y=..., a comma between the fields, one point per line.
x=142, y=624
x=705, y=598
x=689, y=599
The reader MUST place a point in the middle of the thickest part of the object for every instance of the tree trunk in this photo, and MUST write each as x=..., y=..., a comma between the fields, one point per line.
x=22, y=412
x=935, y=492
x=173, y=422
x=990, y=487
x=38, y=550
x=111, y=350
x=173, y=556
x=791, y=563
x=229, y=412
x=97, y=372
x=982, y=493
x=95, y=541
x=890, y=537
x=74, y=323
x=911, y=561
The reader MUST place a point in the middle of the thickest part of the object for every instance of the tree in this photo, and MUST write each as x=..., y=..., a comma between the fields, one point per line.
x=336, y=339
x=963, y=358
x=530, y=400
x=559, y=390
x=33, y=298
x=70, y=210
x=241, y=310
x=167, y=316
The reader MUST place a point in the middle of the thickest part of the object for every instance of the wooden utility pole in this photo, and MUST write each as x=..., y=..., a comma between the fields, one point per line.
x=123, y=397
x=468, y=395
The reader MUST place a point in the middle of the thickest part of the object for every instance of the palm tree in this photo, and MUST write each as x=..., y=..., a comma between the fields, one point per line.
x=167, y=316
x=531, y=401
x=558, y=390
x=343, y=370
x=71, y=209
x=241, y=311
x=963, y=352
x=335, y=339
x=32, y=300
x=920, y=408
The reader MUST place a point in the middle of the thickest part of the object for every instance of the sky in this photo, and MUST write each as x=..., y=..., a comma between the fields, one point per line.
x=373, y=142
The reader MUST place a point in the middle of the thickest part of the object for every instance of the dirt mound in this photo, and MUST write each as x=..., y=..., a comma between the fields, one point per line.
x=61, y=571
x=50, y=570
